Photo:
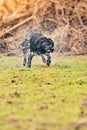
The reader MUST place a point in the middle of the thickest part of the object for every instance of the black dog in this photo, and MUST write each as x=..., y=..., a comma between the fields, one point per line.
x=38, y=44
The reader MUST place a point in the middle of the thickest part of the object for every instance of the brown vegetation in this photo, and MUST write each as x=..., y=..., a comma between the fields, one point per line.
x=63, y=20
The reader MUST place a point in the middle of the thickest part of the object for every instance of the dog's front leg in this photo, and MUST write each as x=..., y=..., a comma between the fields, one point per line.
x=48, y=59
x=43, y=58
x=30, y=59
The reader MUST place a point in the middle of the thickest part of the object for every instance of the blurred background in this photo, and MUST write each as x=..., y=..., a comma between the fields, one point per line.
x=65, y=21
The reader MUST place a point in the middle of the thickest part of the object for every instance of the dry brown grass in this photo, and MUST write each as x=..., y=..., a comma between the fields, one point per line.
x=64, y=21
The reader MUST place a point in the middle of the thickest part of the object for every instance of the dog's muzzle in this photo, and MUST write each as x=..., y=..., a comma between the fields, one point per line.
x=52, y=49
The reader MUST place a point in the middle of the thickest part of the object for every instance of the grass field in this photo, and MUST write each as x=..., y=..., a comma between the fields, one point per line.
x=43, y=98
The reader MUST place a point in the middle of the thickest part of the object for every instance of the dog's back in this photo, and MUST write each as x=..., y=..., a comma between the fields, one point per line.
x=31, y=33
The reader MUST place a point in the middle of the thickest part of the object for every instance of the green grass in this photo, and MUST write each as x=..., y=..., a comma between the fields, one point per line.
x=43, y=98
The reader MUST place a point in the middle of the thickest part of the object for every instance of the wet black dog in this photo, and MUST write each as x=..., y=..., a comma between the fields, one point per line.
x=38, y=44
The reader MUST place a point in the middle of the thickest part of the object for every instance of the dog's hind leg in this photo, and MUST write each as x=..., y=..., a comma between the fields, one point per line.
x=24, y=61
x=44, y=59
x=25, y=56
x=48, y=59
x=30, y=59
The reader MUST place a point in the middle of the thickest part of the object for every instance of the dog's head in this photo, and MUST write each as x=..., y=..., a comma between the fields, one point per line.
x=48, y=45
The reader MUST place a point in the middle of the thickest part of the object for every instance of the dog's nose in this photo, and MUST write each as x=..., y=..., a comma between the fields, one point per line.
x=52, y=49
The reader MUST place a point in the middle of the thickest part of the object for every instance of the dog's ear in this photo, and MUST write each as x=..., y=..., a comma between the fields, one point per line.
x=51, y=41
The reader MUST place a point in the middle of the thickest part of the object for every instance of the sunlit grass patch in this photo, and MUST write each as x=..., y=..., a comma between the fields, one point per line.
x=41, y=97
